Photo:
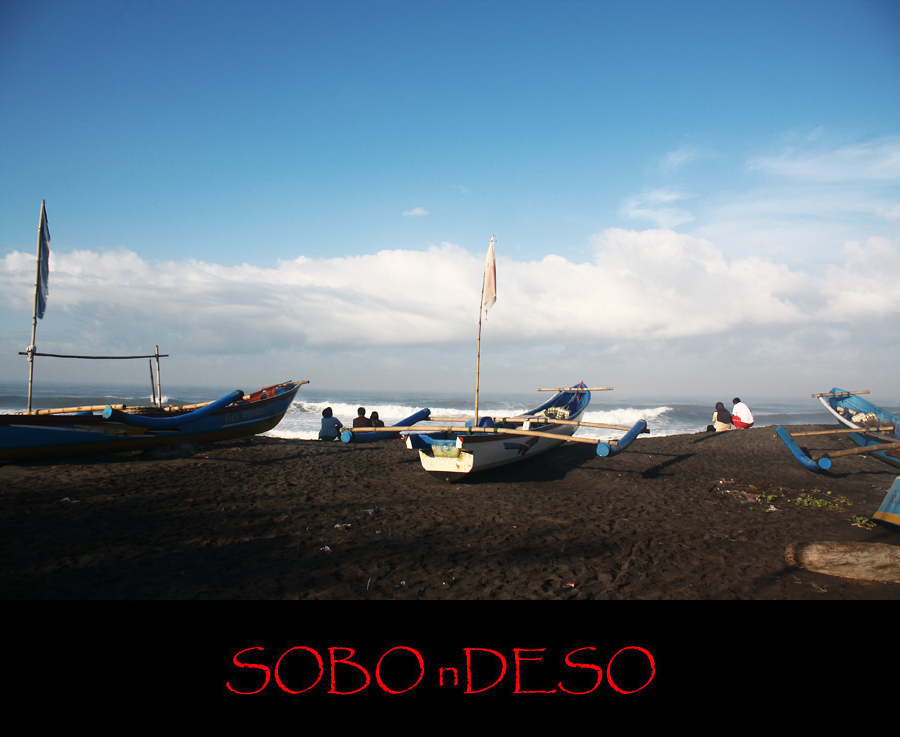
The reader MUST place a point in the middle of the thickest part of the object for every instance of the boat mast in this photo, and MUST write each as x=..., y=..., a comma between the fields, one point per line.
x=488, y=264
x=37, y=290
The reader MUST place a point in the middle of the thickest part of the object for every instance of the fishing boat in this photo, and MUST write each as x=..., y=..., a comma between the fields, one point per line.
x=452, y=452
x=74, y=431
x=873, y=429
x=51, y=433
x=856, y=413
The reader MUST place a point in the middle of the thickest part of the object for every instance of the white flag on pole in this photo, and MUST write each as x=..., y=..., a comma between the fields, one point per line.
x=490, y=278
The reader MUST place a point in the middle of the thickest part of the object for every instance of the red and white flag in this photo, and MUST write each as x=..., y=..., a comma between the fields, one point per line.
x=490, y=278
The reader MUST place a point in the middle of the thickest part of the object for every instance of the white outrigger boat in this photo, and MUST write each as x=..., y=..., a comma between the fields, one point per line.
x=451, y=452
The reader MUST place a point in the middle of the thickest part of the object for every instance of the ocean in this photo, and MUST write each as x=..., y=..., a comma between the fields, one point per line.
x=669, y=417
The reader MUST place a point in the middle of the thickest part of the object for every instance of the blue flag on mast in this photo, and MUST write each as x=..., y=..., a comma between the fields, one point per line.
x=43, y=276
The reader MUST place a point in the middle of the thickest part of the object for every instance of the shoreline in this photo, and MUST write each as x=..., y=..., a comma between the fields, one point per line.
x=673, y=517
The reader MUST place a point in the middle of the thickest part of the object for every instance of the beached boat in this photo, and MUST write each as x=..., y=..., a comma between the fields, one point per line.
x=51, y=433
x=873, y=429
x=113, y=429
x=482, y=443
x=856, y=413
x=452, y=452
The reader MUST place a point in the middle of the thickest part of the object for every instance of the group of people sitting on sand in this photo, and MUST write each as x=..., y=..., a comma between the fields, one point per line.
x=332, y=426
x=739, y=418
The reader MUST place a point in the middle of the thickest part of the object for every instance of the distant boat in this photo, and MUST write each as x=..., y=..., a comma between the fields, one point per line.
x=77, y=431
x=855, y=413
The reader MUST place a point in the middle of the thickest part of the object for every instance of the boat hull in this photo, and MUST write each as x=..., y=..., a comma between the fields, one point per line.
x=856, y=413
x=452, y=456
x=38, y=437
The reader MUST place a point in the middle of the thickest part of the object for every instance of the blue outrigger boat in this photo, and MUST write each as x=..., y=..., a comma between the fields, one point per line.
x=91, y=430
x=873, y=429
x=855, y=413
x=71, y=431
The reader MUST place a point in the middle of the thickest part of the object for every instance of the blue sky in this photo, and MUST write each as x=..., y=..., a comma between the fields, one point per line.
x=688, y=197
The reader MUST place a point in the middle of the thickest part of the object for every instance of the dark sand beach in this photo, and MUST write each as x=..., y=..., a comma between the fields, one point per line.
x=676, y=517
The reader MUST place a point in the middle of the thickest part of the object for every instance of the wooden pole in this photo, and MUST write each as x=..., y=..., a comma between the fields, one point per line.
x=152, y=385
x=550, y=421
x=858, y=451
x=535, y=421
x=863, y=431
x=839, y=394
x=94, y=358
x=158, y=384
x=478, y=430
x=478, y=353
x=65, y=410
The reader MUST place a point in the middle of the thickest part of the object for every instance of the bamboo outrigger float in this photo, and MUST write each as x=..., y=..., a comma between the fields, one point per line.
x=863, y=422
x=451, y=452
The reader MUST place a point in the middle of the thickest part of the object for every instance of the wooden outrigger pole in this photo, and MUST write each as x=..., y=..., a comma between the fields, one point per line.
x=31, y=352
x=604, y=447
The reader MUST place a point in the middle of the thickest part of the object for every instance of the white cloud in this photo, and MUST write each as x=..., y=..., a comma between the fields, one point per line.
x=415, y=212
x=654, y=296
x=680, y=156
x=891, y=213
x=656, y=207
x=640, y=285
x=865, y=284
x=877, y=160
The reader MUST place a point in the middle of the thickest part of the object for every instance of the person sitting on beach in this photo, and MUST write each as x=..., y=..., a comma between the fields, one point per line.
x=741, y=416
x=721, y=418
x=331, y=426
x=375, y=421
x=361, y=420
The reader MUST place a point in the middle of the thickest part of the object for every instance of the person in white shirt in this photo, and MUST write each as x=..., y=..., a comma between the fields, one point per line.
x=741, y=416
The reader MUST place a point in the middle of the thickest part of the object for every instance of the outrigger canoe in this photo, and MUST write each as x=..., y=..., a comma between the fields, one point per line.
x=855, y=413
x=483, y=442
x=90, y=430
x=450, y=453
x=873, y=429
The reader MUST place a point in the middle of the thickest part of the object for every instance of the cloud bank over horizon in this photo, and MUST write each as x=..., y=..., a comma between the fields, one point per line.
x=643, y=292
